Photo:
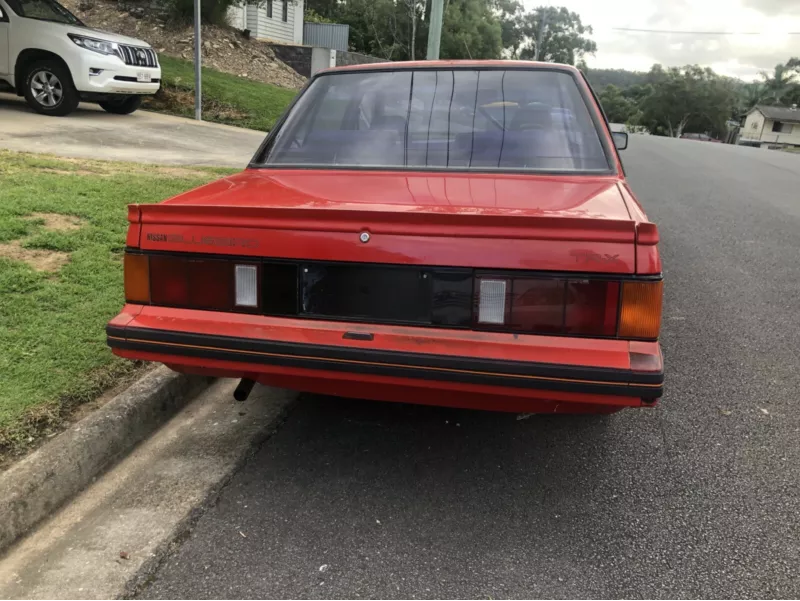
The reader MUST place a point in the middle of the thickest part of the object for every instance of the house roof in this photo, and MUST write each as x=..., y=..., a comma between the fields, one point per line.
x=779, y=113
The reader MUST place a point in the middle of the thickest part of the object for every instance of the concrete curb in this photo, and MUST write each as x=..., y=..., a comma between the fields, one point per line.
x=43, y=481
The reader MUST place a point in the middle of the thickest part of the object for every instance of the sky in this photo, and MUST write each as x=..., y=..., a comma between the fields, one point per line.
x=742, y=56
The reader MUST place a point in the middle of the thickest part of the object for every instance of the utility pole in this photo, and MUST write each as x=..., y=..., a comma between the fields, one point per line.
x=198, y=57
x=435, y=29
x=542, y=25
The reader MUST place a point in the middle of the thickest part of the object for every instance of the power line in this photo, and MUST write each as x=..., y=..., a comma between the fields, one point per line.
x=640, y=30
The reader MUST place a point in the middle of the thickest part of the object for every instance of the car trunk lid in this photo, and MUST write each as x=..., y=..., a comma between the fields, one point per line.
x=487, y=221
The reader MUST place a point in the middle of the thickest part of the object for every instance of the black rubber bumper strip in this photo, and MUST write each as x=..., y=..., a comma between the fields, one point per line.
x=469, y=370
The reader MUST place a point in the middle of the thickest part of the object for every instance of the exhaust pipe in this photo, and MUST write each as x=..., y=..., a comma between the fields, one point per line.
x=243, y=389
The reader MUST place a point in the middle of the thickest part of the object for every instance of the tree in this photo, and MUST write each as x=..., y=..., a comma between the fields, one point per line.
x=621, y=78
x=564, y=38
x=511, y=14
x=617, y=107
x=781, y=82
x=749, y=95
x=377, y=27
x=413, y=10
x=398, y=29
x=471, y=29
x=687, y=98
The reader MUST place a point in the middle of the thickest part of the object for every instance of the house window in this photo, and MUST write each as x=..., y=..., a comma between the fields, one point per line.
x=269, y=9
x=781, y=127
x=285, y=15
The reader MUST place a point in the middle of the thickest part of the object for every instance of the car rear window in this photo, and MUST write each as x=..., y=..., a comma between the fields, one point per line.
x=506, y=119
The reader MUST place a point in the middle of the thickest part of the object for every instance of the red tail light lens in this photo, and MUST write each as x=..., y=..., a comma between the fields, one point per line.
x=169, y=281
x=537, y=305
x=211, y=285
x=192, y=283
x=591, y=307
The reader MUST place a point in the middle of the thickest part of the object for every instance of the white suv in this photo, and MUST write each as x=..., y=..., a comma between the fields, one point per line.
x=55, y=61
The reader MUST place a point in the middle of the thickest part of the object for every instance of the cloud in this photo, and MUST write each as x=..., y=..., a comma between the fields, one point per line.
x=774, y=7
x=735, y=55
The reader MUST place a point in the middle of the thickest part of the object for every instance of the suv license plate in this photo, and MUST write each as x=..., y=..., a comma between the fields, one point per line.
x=143, y=77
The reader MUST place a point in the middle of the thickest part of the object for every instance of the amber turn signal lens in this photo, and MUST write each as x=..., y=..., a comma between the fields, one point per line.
x=137, y=278
x=640, y=316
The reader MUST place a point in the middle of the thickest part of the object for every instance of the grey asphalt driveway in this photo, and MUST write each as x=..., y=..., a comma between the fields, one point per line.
x=697, y=498
x=148, y=137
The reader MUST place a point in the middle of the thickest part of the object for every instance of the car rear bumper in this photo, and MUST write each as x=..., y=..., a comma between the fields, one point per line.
x=366, y=360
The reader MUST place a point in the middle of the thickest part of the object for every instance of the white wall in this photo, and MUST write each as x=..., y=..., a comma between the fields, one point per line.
x=252, y=19
x=751, y=130
x=758, y=129
x=237, y=17
x=299, y=10
x=275, y=28
x=786, y=137
x=322, y=58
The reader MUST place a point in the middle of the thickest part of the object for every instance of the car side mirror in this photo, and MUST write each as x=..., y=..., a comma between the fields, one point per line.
x=2, y=16
x=620, y=139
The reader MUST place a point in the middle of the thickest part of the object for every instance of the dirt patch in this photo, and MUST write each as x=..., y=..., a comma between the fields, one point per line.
x=224, y=48
x=174, y=100
x=49, y=261
x=68, y=172
x=58, y=222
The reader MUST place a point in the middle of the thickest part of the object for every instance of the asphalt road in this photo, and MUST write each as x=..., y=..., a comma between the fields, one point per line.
x=698, y=498
x=91, y=133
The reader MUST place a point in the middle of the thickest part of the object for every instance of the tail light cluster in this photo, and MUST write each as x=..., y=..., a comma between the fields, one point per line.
x=577, y=307
x=218, y=285
x=555, y=305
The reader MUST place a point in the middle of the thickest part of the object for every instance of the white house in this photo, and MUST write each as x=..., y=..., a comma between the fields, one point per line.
x=274, y=20
x=771, y=126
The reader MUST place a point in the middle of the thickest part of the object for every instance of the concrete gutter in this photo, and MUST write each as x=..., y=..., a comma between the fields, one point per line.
x=39, y=484
x=111, y=538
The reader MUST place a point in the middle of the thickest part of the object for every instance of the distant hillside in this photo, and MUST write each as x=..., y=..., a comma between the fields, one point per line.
x=621, y=78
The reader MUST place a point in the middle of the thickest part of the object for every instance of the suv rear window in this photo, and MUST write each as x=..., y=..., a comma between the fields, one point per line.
x=508, y=119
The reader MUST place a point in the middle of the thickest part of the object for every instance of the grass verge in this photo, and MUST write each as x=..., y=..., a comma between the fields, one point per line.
x=62, y=234
x=226, y=98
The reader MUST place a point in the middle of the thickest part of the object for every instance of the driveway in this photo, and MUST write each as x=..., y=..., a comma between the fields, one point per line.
x=148, y=137
x=697, y=498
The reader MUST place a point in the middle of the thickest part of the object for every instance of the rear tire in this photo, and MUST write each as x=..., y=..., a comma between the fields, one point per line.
x=124, y=106
x=49, y=90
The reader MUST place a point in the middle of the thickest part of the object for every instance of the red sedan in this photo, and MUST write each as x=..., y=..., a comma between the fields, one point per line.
x=447, y=233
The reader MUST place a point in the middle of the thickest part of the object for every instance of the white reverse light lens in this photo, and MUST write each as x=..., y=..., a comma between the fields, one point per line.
x=246, y=286
x=492, y=306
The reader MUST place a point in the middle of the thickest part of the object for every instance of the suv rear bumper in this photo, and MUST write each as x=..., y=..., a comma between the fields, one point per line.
x=434, y=365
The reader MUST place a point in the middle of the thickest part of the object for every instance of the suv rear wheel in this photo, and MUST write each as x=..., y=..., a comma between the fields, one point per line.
x=122, y=106
x=49, y=90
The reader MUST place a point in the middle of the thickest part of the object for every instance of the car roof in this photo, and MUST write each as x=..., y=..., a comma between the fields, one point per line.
x=479, y=64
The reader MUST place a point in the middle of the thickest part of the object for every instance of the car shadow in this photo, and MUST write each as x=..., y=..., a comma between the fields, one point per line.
x=16, y=104
x=441, y=488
